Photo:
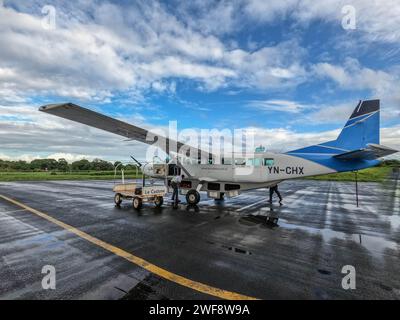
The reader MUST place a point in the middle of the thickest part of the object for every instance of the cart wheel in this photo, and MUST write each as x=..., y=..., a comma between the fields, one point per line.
x=192, y=197
x=117, y=199
x=159, y=201
x=137, y=203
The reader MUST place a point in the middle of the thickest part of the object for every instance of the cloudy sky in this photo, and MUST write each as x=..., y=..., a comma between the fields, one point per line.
x=287, y=69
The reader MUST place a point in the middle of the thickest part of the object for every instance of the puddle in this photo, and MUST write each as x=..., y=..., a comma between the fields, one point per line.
x=324, y=272
x=251, y=220
x=385, y=287
x=238, y=250
x=375, y=245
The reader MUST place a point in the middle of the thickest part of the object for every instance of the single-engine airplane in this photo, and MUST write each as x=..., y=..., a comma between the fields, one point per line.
x=357, y=147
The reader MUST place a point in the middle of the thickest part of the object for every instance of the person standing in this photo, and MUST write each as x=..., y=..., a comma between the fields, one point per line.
x=175, y=184
x=272, y=189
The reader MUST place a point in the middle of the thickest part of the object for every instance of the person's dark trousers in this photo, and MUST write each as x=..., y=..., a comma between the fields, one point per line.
x=175, y=193
x=271, y=193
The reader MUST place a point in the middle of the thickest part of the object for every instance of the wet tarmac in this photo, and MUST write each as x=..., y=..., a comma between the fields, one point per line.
x=298, y=254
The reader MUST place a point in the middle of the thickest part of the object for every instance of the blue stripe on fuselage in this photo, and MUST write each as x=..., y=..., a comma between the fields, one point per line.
x=336, y=164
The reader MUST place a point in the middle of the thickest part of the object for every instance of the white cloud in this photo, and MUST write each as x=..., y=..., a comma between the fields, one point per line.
x=283, y=140
x=391, y=137
x=376, y=20
x=98, y=50
x=26, y=132
x=278, y=106
x=331, y=113
x=268, y=11
x=269, y=68
x=352, y=76
x=212, y=17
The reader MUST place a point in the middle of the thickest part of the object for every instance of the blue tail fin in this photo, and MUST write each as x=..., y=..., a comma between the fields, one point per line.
x=361, y=129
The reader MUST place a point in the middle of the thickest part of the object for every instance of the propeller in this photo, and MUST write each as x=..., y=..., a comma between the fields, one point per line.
x=137, y=162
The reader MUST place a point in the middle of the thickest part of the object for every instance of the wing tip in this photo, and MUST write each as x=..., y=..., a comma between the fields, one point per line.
x=47, y=107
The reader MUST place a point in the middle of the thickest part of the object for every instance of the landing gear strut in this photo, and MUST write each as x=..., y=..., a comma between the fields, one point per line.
x=193, y=197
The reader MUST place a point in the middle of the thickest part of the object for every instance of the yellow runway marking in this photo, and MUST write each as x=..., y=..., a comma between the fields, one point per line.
x=198, y=286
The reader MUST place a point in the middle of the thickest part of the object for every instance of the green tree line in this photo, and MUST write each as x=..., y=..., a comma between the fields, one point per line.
x=61, y=165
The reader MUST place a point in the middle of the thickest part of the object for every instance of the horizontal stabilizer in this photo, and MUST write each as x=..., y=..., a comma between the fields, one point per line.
x=371, y=152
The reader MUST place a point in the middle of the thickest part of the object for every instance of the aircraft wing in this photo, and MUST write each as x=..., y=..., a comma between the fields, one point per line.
x=372, y=152
x=97, y=120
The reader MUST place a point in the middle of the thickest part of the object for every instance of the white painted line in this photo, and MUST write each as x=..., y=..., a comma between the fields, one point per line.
x=250, y=205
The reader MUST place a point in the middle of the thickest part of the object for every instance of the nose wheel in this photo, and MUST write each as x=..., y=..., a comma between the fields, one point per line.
x=193, y=197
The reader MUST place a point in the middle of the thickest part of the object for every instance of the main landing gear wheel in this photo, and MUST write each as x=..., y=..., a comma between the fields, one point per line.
x=193, y=197
x=159, y=202
x=118, y=199
x=137, y=203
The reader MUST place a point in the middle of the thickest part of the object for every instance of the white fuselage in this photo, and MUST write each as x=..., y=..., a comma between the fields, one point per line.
x=250, y=172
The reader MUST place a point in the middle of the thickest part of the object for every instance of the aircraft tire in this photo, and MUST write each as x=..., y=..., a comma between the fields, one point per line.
x=193, y=197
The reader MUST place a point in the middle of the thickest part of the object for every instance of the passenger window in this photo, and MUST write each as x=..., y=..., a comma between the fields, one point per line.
x=269, y=162
x=249, y=162
x=257, y=162
x=240, y=162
